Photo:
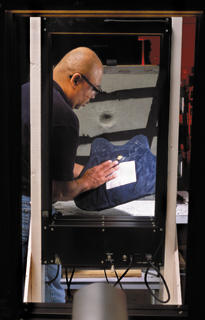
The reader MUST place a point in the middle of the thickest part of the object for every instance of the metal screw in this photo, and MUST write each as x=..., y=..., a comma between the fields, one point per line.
x=124, y=257
x=109, y=257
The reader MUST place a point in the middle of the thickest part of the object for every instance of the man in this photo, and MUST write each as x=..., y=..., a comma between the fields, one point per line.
x=76, y=80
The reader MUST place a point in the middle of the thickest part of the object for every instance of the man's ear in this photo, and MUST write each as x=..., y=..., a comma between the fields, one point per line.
x=76, y=78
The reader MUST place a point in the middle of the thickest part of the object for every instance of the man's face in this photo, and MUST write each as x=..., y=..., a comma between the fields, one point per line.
x=86, y=88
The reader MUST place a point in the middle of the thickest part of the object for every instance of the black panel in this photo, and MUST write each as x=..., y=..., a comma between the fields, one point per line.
x=88, y=242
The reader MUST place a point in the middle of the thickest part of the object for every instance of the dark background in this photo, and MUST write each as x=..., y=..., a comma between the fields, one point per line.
x=10, y=301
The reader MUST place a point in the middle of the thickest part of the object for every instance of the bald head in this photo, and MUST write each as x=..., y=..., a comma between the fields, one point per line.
x=69, y=73
x=81, y=59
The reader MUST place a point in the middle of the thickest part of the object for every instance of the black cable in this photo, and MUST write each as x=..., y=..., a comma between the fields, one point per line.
x=116, y=277
x=163, y=280
x=126, y=271
x=57, y=273
x=118, y=280
x=106, y=275
x=122, y=276
x=69, y=295
x=158, y=274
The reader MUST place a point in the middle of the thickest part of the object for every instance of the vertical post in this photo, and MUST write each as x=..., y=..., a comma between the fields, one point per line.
x=35, y=152
x=171, y=263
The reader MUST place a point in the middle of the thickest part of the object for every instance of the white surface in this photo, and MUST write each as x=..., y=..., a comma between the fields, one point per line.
x=111, y=116
x=125, y=174
x=136, y=208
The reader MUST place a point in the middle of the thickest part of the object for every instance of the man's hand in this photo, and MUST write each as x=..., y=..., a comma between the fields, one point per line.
x=98, y=175
x=92, y=178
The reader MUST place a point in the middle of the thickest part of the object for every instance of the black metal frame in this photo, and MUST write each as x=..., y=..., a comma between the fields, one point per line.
x=11, y=306
x=141, y=237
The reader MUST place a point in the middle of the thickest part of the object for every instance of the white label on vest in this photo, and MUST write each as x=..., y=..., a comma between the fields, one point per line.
x=125, y=174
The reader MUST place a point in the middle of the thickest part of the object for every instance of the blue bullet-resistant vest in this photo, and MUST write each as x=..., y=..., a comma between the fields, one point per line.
x=135, y=178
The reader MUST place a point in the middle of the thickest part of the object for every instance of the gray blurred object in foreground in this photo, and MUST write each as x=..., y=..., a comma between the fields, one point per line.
x=99, y=301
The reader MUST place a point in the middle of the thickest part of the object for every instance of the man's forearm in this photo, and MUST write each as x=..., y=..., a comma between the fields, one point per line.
x=91, y=179
x=68, y=190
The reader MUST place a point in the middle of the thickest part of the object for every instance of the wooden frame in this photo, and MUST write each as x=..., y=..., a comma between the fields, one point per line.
x=170, y=273
x=171, y=264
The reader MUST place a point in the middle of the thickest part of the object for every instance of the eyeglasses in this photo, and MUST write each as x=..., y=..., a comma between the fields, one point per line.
x=97, y=89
